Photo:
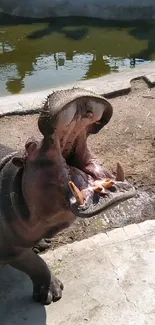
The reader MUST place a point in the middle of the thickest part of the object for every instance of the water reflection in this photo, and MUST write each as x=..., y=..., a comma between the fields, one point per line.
x=36, y=55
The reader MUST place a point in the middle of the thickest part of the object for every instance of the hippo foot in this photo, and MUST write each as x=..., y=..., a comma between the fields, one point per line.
x=46, y=295
x=42, y=245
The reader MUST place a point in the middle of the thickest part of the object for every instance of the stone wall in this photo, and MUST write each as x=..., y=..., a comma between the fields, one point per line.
x=105, y=9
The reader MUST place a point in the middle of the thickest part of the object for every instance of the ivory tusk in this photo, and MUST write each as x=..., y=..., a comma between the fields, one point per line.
x=76, y=192
x=120, y=176
x=98, y=188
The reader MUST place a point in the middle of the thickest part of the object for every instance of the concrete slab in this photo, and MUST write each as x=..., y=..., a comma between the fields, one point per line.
x=107, y=281
x=110, y=84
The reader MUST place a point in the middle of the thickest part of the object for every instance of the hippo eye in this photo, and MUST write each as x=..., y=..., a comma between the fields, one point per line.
x=88, y=114
x=18, y=161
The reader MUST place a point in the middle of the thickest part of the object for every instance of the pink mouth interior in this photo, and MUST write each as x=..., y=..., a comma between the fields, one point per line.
x=84, y=169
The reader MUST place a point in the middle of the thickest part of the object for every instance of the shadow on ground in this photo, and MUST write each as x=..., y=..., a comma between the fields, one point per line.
x=18, y=309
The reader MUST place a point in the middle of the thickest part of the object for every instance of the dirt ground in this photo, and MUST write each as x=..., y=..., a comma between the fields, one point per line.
x=129, y=138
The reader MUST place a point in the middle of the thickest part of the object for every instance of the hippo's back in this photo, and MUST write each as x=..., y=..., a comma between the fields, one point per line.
x=5, y=152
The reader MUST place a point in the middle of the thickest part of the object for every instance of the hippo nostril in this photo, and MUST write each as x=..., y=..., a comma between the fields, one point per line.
x=113, y=189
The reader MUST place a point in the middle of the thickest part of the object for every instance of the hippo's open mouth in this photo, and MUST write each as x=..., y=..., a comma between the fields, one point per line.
x=98, y=195
x=90, y=189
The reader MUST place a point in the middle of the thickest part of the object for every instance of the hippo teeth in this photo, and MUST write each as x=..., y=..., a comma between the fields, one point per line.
x=120, y=176
x=103, y=184
x=107, y=183
x=76, y=192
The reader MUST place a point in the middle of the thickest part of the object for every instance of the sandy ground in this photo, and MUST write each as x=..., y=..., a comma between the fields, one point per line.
x=129, y=138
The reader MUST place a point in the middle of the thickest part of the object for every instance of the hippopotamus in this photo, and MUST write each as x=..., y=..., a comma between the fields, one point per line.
x=53, y=180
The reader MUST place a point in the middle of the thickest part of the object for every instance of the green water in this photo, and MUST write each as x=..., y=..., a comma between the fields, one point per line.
x=35, y=55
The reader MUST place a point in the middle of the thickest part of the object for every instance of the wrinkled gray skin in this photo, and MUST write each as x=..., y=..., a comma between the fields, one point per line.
x=35, y=199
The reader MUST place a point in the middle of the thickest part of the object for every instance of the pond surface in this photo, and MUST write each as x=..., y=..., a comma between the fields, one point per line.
x=35, y=55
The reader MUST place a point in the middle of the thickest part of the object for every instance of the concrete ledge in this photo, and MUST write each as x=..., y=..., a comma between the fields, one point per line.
x=109, y=85
x=105, y=9
x=101, y=240
x=109, y=279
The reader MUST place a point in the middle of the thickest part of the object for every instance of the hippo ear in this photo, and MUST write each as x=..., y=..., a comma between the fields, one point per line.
x=18, y=161
x=30, y=145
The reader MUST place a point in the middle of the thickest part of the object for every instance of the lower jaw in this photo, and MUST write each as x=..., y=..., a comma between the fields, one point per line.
x=97, y=204
x=88, y=203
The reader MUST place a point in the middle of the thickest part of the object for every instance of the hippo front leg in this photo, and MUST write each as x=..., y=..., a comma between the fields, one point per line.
x=46, y=287
x=42, y=245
